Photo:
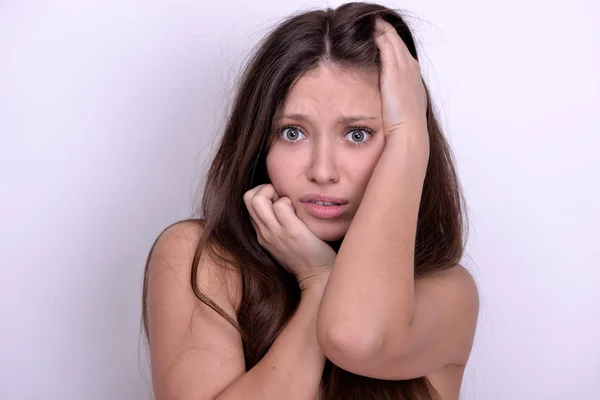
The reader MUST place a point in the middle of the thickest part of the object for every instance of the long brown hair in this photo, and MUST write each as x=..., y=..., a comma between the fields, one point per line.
x=270, y=295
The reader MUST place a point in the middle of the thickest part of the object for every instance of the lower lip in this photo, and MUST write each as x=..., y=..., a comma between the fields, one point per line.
x=325, y=212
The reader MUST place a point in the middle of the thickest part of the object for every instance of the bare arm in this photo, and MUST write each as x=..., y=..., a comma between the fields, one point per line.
x=375, y=319
x=293, y=366
x=196, y=354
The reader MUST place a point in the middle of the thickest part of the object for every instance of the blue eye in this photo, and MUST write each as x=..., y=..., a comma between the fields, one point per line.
x=292, y=133
x=359, y=133
x=292, y=129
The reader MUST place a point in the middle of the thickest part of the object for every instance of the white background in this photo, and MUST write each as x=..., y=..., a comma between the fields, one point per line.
x=108, y=110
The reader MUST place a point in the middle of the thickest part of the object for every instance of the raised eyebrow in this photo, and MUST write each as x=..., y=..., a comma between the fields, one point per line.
x=341, y=119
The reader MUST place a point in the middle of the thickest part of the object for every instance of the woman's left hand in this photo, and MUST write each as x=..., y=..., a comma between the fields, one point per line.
x=403, y=95
x=286, y=237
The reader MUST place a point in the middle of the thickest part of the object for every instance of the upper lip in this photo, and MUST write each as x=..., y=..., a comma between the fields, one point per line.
x=322, y=197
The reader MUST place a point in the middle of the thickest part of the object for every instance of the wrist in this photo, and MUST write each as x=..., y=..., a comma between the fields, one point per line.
x=409, y=151
x=314, y=283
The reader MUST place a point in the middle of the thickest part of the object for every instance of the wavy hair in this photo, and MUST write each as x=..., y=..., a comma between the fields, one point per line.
x=270, y=295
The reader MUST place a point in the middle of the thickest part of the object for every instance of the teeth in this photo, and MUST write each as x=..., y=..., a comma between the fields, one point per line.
x=324, y=203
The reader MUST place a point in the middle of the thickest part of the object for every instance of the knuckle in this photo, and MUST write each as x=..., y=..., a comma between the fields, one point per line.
x=266, y=187
x=281, y=203
x=255, y=201
x=267, y=239
x=295, y=234
x=249, y=194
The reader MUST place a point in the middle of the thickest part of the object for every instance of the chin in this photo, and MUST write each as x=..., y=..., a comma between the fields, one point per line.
x=327, y=230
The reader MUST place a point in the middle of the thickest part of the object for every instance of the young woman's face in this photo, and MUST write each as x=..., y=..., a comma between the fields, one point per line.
x=321, y=154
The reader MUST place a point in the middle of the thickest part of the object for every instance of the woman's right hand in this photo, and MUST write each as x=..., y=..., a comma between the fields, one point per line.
x=287, y=238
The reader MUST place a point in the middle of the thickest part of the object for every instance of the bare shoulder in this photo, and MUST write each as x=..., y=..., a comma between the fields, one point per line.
x=458, y=299
x=457, y=274
x=194, y=351
x=464, y=287
x=452, y=282
x=173, y=252
x=448, y=300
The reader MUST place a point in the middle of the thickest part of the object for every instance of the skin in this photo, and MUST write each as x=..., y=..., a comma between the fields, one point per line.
x=318, y=155
x=374, y=319
x=322, y=155
x=360, y=308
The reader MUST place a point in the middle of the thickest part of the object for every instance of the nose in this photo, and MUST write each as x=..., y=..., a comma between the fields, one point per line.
x=323, y=168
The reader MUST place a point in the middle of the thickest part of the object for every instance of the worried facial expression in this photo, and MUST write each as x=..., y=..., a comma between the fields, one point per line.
x=328, y=140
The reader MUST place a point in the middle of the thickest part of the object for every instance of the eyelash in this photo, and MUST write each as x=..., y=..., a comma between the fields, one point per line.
x=350, y=129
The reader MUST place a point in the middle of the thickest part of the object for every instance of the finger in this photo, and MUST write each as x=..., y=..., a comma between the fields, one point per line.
x=260, y=238
x=259, y=235
x=263, y=208
x=256, y=221
x=387, y=53
x=389, y=32
x=252, y=192
x=265, y=189
x=286, y=214
x=269, y=192
x=259, y=202
x=401, y=53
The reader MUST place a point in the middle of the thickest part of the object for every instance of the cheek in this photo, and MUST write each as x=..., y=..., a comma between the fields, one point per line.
x=279, y=169
x=362, y=172
x=361, y=179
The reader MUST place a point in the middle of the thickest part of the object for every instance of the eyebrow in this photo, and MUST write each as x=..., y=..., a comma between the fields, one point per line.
x=341, y=119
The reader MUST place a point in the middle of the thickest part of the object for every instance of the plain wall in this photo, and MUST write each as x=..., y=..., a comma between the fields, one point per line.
x=108, y=114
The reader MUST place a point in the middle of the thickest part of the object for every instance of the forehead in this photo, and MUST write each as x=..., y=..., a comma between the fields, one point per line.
x=334, y=91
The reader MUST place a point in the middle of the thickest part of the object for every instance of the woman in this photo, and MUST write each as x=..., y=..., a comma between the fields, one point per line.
x=326, y=262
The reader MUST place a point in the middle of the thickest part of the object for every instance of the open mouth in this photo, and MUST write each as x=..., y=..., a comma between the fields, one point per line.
x=324, y=203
